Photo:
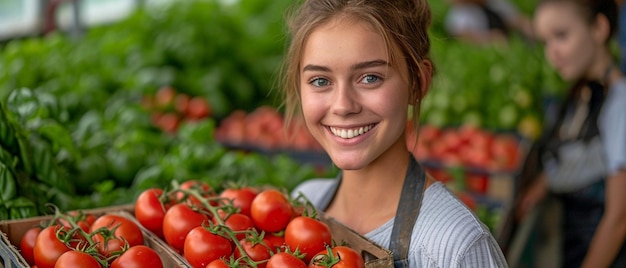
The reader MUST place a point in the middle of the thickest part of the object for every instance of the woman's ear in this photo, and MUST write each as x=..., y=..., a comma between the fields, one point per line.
x=602, y=28
x=425, y=79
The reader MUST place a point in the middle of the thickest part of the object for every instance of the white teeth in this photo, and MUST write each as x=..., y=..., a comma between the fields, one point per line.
x=350, y=133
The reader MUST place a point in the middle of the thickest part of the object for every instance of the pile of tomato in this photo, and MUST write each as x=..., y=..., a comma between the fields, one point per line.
x=169, y=108
x=78, y=239
x=241, y=227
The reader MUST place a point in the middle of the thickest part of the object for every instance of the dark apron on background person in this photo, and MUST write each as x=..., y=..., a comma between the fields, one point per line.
x=494, y=20
x=406, y=212
x=564, y=160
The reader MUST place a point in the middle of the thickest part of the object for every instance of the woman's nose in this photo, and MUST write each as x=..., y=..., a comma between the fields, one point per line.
x=345, y=100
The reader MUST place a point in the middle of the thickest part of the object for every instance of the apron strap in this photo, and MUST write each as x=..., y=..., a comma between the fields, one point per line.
x=407, y=212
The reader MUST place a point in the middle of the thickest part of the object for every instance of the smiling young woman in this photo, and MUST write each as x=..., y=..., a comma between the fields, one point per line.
x=354, y=72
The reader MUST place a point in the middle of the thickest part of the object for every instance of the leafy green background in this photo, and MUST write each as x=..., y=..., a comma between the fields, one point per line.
x=73, y=132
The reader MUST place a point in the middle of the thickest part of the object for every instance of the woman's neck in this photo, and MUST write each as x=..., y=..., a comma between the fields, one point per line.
x=604, y=69
x=614, y=75
x=369, y=197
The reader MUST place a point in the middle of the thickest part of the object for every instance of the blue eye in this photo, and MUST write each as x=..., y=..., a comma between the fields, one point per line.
x=369, y=79
x=320, y=82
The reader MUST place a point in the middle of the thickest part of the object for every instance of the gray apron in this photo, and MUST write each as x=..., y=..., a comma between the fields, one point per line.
x=406, y=212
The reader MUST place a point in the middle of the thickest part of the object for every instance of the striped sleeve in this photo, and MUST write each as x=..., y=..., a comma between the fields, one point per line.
x=447, y=234
x=612, y=123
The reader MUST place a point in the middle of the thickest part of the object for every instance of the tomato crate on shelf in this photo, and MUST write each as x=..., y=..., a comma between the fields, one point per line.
x=11, y=232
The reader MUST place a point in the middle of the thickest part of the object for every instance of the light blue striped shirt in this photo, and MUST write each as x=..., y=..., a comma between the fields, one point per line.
x=446, y=234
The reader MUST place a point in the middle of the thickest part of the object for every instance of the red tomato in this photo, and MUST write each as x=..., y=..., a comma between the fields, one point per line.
x=308, y=235
x=198, y=108
x=168, y=122
x=164, y=96
x=83, y=225
x=283, y=259
x=239, y=223
x=504, y=149
x=202, y=247
x=138, y=257
x=219, y=263
x=107, y=247
x=76, y=259
x=126, y=229
x=27, y=243
x=203, y=188
x=48, y=248
x=150, y=211
x=84, y=221
x=178, y=221
x=256, y=251
x=181, y=103
x=241, y=198
x=477, y=183
x=343, y=257
x=275, y=241
x=271, y=211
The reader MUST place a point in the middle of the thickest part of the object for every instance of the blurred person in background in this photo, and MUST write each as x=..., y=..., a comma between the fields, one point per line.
x=583, y=157
x=486, y=21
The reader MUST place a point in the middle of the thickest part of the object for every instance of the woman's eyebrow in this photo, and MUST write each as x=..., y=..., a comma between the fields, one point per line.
x=369, y=64
x=360, y=65
x=312, y=67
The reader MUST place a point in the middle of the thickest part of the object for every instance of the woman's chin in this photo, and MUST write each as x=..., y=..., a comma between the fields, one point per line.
x=348, y=162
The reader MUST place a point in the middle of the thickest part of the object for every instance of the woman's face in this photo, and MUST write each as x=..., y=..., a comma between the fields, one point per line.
x=354, y=101
x=570, y=42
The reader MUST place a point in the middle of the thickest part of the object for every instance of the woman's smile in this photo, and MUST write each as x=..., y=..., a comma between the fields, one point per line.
x=349, y=133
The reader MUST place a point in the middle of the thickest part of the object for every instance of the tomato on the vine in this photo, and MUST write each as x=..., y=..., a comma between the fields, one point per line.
x=77, y=259
x=84, y=221
x=257, y=251
x=201, y=187
x=238, y=223
x=124, y=228
x=150, y=211
x=107, y=246
x=275, y=241
x=179, y=220
x=219, y=263
x=48, y=248
x=241, y=198
x=271, y=211
x=27, y=243
x=284, y=259
x=138, y=257
x=308, y=235
x=343, y=257
x=202, y=247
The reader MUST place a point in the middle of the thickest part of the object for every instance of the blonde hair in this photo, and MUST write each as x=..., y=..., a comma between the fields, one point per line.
x=403, y=25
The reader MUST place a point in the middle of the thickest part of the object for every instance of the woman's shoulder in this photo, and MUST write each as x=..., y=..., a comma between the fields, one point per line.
x=618, y=89
x=449, y=232
x=441, y=207
x=314, y=189
x=446, y=234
